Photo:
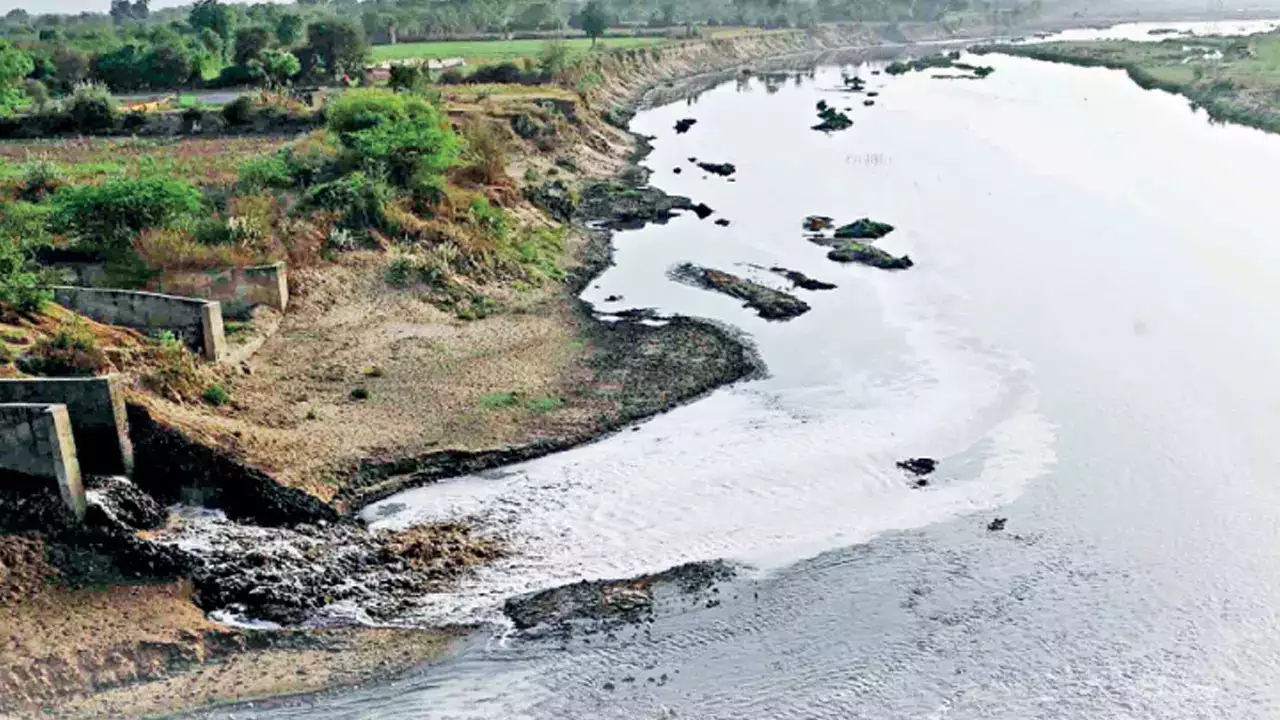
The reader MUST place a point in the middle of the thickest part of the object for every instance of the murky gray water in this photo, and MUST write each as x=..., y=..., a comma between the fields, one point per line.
x=1087, y=343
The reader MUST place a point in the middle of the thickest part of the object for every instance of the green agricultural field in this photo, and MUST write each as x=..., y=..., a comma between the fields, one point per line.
x=480, y=52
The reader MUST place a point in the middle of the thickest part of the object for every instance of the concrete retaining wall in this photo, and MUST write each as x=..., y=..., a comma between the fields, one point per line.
x=237, y=289
x=36, y=440
x=95, y=407
x=198, y=322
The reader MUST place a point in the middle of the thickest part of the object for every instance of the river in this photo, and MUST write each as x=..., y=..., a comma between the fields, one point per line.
x=1084, y=344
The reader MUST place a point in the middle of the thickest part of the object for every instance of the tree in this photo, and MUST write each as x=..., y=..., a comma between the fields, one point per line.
x=15, y=65
x=280, y=66
x=340, y=45
x=594, y=20
x=250, y=42
x=70, y=66
x=289, y=29
x=216, y=17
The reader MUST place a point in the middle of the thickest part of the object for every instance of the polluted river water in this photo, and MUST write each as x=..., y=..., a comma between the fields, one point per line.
x=1086, y=344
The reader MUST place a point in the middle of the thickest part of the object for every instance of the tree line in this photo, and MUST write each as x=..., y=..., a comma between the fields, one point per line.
x=131, y=47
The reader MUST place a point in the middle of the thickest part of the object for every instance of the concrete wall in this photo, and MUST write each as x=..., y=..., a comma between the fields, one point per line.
x=36, y=440
x=96, y=410
x=198, y=322
x=237, y=289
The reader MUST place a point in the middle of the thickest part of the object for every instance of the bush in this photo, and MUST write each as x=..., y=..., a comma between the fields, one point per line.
x=411, y=78
x=266, y=171
x=487, y=150
x=39, y=179
x=554, y=58
x=107, y=215
x=238, y=111
x=216, y=396
x=490, y=219
x=19, y=282
x=241, y=75
x=175, y=372
x=38, y=92
x=71, y=352
x=498, y=73
x=91, y=107
x=402, y=134
x=311, y=159
x=360, y=199
x=24, y=222
x=452, y=76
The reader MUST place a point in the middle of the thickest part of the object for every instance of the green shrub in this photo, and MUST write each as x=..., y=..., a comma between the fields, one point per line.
x=361, y=199
x=109, y=214
x=20, y=286
x=40, y=178
x=91, y=107
x=238, y=111
x=216, y=396
x=410, y=78
x=264, y=171
x=360, y=394
x=489, y=218
x=24, y=222
x=403, y=134
x=311, y=160
x=399, y=271
x=71, y=352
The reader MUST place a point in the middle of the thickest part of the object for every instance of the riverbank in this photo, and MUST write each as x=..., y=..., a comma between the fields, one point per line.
x=1233, y=79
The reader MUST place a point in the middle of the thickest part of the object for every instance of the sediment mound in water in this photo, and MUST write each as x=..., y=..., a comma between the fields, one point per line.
x=799, y=279
x=626, y=600
x=863, y=229
x=868, y=255
x=768, y=303
x=721, y=169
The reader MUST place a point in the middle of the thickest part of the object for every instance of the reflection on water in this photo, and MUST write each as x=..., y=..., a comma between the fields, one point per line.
x=1086, y=345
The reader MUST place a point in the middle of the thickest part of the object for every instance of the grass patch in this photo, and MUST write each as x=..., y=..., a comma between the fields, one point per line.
x=536, y=405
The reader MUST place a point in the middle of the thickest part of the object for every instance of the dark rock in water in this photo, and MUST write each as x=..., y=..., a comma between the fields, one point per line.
x=875, y=72
x=868, y=103
x=920, y=483
x=818, y=223
x=721, y=169
x=997, y=525
x=768, y=303
x=801, y=280
x=676, y=170
x=919, y=466
x=682, y=126
x=722, y=222
x=639, y=314
x=702, y=210
x=983, y=71
x=693, y=159
x=873, y=93
x=867, y=255
x=613, y=298
x=618, y=206
x=627, y=600
x=832, y=119
x=864, y=229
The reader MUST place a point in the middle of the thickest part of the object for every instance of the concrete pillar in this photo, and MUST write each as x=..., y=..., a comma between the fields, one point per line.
x=215, y=338
x=36, y=440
